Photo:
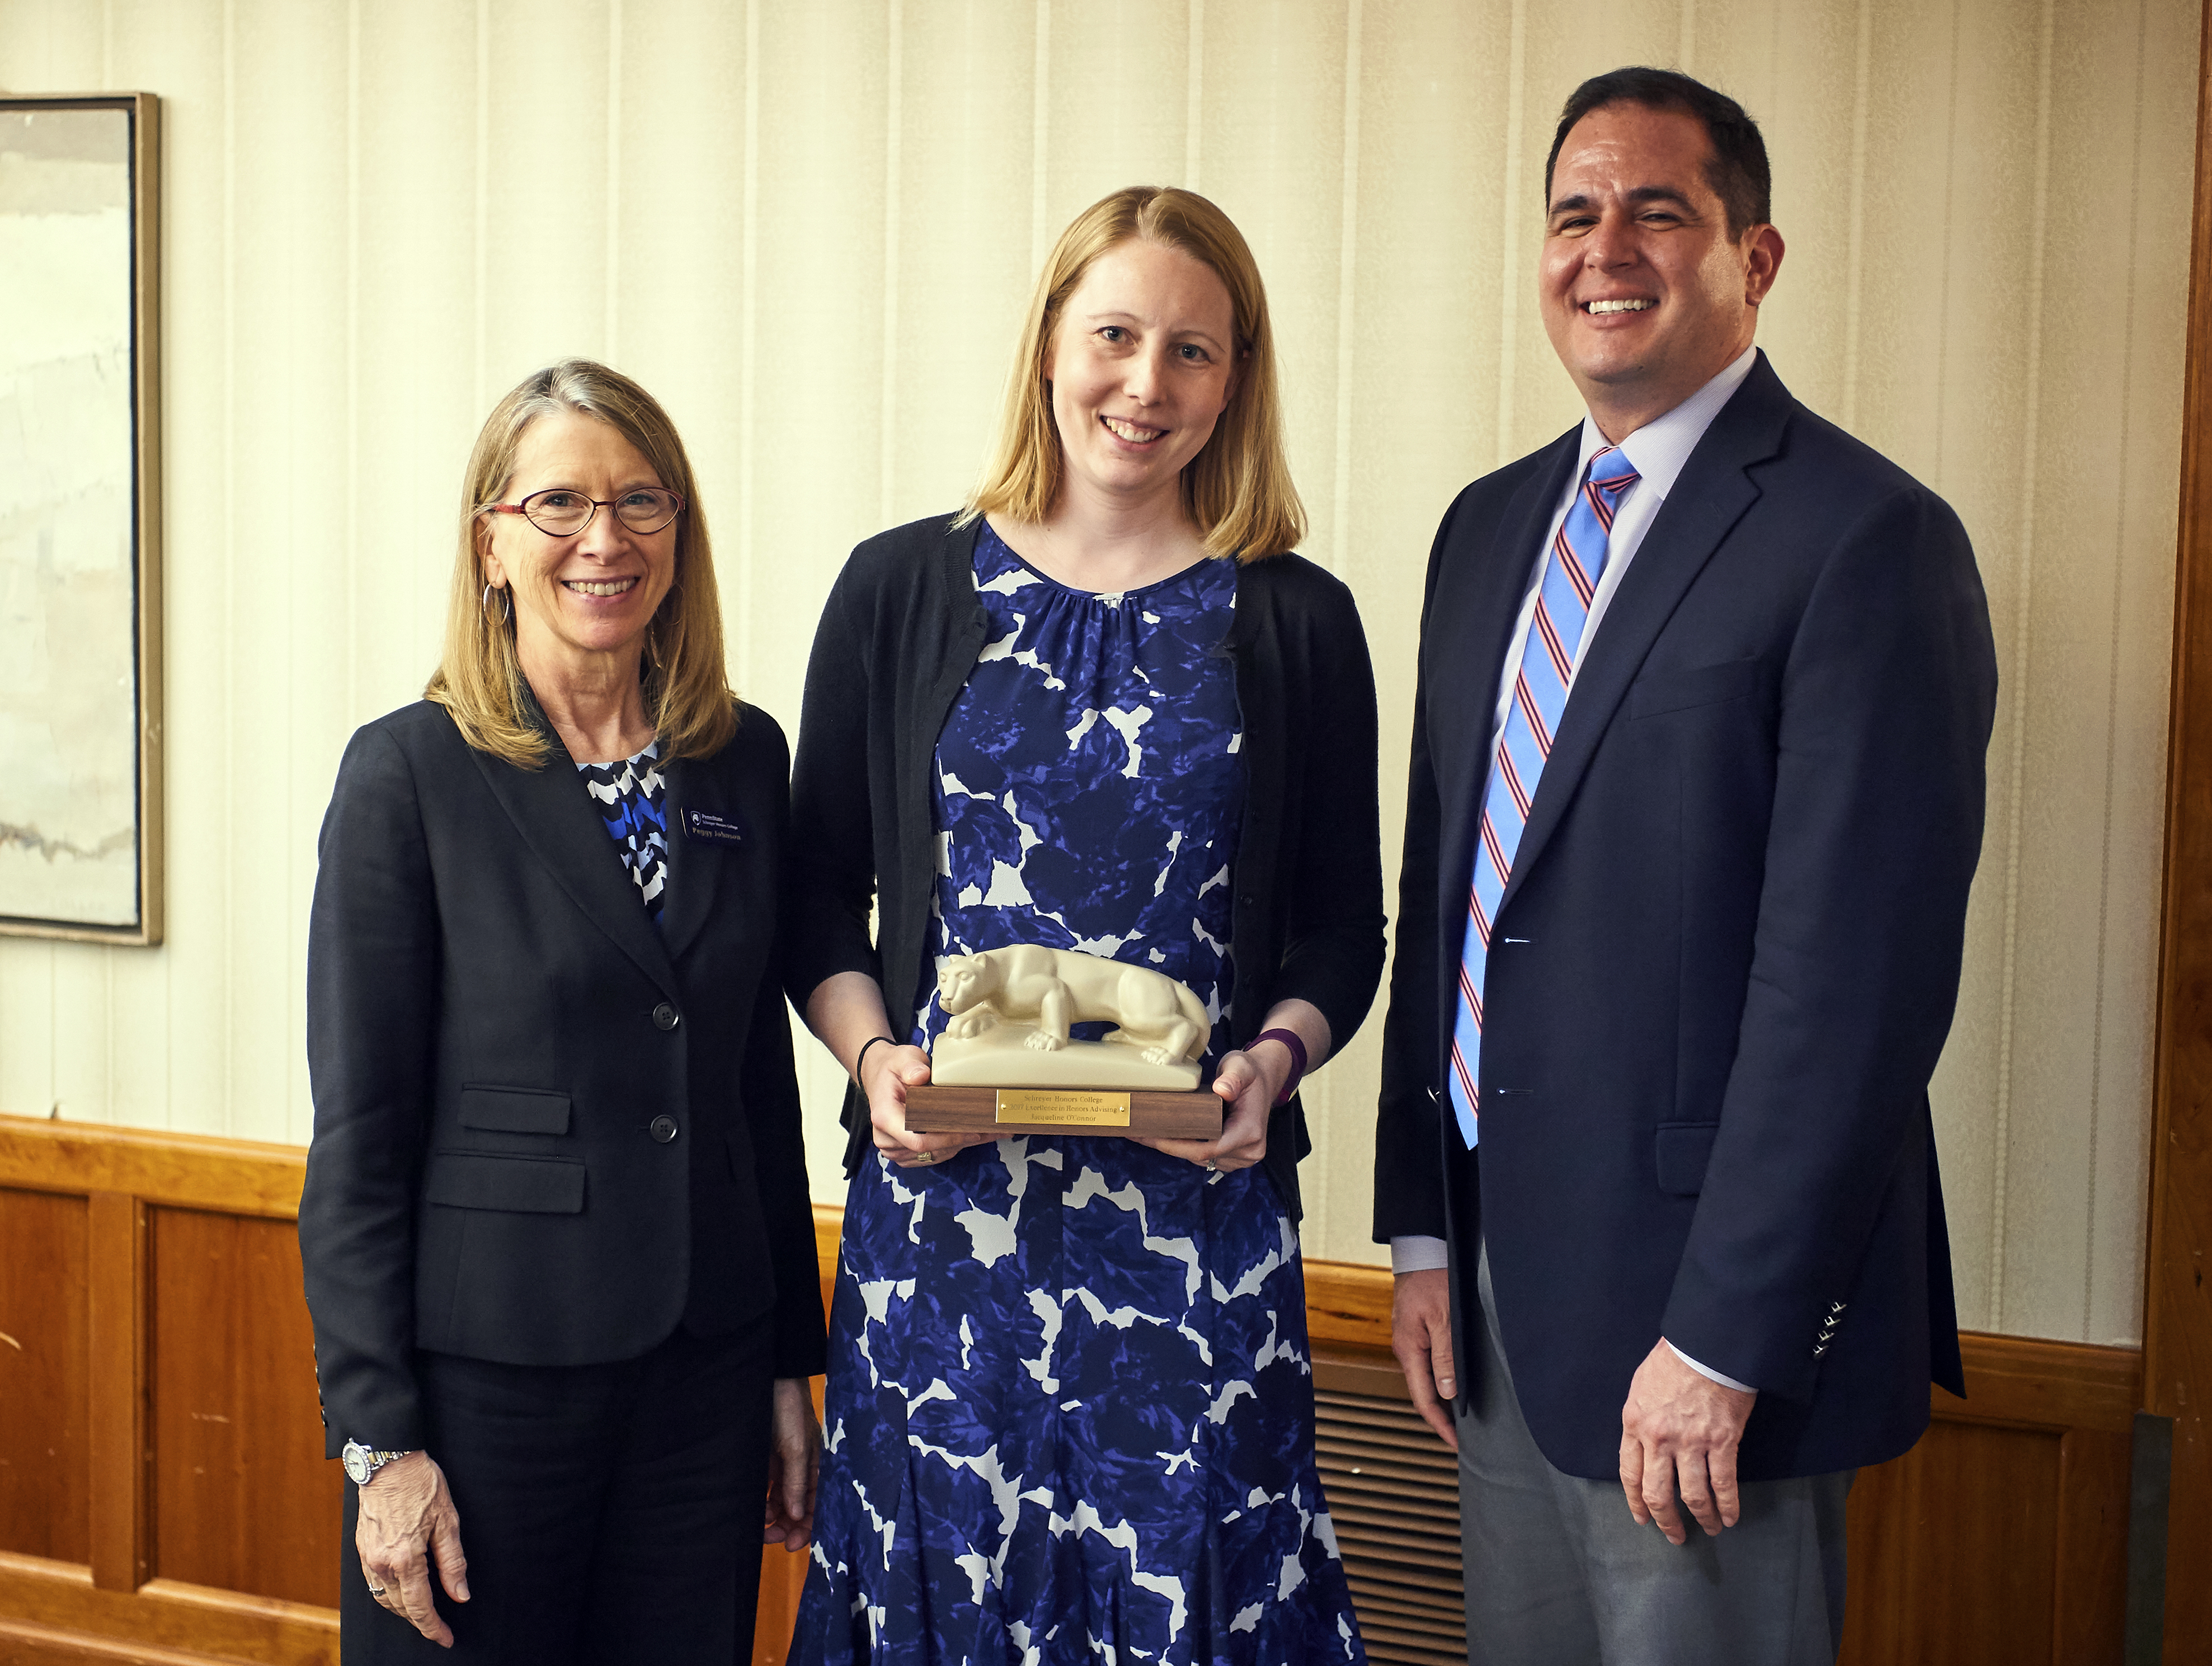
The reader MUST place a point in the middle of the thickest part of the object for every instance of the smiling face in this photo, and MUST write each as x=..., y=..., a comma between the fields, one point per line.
x=1645, y=295
x=579, y=598
x=1142, y=364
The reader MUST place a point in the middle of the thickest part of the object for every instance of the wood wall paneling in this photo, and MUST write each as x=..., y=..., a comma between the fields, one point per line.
x=45, y=1438
x=116, y=1298
x=2178, y=1319
x=2000, y=1538
x=244, y=1499
x=41, y=1601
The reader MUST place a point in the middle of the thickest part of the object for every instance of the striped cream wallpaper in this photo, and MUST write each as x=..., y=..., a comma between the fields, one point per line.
x=810, y=227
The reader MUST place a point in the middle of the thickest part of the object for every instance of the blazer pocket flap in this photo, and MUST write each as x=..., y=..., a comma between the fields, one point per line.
x=1678, y=690
x=515, y=1110
x=1684, y=1149
x=526, y=1185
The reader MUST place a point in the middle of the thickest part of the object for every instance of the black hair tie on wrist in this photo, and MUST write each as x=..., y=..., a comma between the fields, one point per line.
x=863, y=1057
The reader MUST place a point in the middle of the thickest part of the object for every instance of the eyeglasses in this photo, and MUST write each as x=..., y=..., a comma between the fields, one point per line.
x=560, y=513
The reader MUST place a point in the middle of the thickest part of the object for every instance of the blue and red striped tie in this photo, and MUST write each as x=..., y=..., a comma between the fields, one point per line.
x=1540, y=695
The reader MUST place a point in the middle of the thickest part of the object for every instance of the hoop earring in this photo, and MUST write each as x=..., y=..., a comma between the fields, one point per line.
x=484, y=602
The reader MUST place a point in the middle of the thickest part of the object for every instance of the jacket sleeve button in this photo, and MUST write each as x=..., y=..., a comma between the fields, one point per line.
x=664, y=1016
x=664, y=1129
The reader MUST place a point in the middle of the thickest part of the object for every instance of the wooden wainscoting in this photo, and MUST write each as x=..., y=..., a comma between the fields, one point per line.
x=2002, y=1537
x=163, y=1493
x=164, y=1499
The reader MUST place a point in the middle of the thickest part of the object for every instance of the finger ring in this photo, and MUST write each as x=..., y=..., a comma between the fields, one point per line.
x=376, y=1590
x=1211, y=1167
x=926, y=1157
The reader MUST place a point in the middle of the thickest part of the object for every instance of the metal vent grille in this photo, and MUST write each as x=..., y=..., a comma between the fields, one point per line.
x=1393, y=1492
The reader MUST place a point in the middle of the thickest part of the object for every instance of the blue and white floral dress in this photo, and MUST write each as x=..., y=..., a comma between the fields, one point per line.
x=1069, y=1414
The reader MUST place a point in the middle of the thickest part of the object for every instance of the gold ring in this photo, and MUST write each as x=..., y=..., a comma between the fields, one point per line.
x=926, y=1157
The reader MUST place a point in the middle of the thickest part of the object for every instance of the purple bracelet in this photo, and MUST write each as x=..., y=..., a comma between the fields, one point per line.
x=1296, y=1048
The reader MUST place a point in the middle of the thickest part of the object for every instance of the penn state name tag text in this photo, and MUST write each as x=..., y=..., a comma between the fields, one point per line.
x=712, y=830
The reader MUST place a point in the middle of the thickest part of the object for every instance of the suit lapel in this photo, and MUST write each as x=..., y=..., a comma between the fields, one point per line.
x=1709, y=497
x=694, y=865
x=556, y=819
x=1472, y=629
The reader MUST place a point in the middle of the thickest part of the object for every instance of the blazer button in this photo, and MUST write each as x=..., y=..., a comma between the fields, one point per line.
x=664, y=1017
x=664, y=1129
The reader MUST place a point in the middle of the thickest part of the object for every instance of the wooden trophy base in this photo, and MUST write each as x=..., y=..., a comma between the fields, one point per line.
x=1129, y=1113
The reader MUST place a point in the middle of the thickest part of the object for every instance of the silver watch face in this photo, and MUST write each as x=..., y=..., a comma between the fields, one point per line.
x=356, y=1457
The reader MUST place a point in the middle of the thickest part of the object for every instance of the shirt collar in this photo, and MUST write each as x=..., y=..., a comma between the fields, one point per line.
x=1662, y=446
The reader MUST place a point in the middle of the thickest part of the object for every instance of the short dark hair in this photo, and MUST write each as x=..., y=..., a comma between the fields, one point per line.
x=1737, y=173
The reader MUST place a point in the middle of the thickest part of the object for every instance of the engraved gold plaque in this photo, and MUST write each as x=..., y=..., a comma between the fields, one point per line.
x=1078, y=1108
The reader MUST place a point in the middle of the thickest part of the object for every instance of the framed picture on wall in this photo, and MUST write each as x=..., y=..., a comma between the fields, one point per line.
x=80, y=518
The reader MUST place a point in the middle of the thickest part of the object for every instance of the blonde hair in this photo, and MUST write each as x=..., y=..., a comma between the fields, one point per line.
x=1238, y=488
x=479, y=679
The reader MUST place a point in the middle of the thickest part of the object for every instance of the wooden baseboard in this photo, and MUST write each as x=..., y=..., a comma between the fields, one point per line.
x=24, y=1644
x=54, y=1606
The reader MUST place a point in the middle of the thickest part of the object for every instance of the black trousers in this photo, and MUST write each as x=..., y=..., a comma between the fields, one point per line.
x=609, y=1513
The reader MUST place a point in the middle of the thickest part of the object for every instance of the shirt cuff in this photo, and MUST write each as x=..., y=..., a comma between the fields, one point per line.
x=1701, y=1370
x=1418, y=1254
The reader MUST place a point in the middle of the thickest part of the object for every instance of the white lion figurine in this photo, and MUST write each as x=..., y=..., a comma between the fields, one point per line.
x=1057, y=987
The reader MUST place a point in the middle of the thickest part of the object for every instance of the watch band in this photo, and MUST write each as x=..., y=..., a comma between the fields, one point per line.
x=362, y=1462
x=1297, y=1050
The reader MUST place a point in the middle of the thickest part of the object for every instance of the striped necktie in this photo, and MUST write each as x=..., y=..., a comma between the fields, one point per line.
x=1540, y=695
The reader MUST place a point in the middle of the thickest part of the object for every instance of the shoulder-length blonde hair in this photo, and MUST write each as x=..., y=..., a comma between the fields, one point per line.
x=479, y=680
x=1238, y=489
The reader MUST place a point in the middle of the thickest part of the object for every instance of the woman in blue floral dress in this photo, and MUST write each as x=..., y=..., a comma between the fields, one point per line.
x=1070, y=1410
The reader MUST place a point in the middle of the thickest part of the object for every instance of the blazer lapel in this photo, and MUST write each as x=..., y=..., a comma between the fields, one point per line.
x=1470, y=643
x=1708, y=498
x=694, y=865
x=556, y=817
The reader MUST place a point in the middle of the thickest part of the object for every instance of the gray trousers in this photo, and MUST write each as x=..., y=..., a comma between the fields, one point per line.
x=1559, y=1574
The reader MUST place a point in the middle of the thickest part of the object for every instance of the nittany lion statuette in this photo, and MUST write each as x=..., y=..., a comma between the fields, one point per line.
x=1012, y=1009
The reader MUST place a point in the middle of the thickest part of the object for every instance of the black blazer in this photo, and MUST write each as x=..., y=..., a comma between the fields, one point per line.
x=898, y=638
x=1727, y=955
x=545, y=1131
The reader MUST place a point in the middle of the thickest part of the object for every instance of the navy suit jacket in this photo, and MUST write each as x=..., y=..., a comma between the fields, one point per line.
x=1726, y=959
x=545, y=1131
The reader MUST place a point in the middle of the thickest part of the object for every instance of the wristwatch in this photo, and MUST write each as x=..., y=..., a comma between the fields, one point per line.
x=362, y=1464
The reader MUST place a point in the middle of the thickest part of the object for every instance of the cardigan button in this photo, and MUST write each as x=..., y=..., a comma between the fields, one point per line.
x=664, y=1129
x=664, y=1017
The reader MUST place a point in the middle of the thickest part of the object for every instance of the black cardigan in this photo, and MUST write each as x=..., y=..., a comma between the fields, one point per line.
x=898, y=637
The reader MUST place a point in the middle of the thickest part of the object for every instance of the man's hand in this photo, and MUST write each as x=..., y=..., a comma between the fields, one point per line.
x=1420, y=1335
x=1680, y=1427
x=405, y=1507
x=794, y=1466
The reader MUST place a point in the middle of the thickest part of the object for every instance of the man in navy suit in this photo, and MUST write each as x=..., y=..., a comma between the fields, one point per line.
x=1696, y=797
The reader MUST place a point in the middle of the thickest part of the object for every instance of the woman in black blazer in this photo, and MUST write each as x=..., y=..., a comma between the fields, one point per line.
x=555, y=1232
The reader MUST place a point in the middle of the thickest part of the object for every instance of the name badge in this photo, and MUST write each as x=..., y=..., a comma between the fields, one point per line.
x=713, y=829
